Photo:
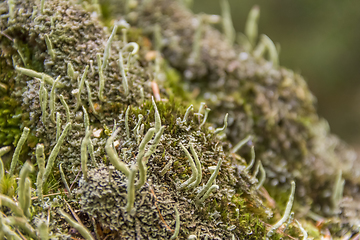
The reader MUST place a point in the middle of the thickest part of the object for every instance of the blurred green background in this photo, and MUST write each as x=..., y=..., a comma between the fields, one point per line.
x=319, y=39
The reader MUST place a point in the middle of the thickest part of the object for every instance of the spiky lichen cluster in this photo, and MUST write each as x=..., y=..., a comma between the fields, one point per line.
x=88, y=93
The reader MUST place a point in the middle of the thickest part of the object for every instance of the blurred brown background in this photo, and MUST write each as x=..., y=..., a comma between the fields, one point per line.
x=321, y=40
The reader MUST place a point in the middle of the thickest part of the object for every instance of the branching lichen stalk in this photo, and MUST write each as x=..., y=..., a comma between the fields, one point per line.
x=113, y=157
x=140, y=158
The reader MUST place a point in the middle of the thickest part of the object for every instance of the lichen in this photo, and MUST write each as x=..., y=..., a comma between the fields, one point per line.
x=63, y=40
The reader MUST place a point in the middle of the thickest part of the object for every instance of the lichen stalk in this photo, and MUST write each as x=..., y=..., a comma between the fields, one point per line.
x=241, y=143
x=81, y=229
x=198, y=168
x=84, y=154
x=43, y=229
x=90, y=97
x=81, y=85
x=113, y=157
x=252, y=161
x=131, y=190
x=154, y=145
x=286, y=213
x=58, y=125
x=32, y=73
x=139, y=158
x=42, y=4
x=18, y=148
x=27, y=197
x=210, y=181
x=53, y=100
x=63, y=178
x=123, y=74
x=49, y=46
x=43, y=96
x=108, y=47
x=67, y=110
x=127, y=129
x=101, y=78
x=193, y=169
x=21, y=223
x=251, y=25
x=177, y=224
x=26, y=169
x=3, y=151
x=262, y=178
x=157, y=116
x=207, y=194
x=207, y=110
x=188, y=110
x=305, y=234
x=40, y=158
x=218, y=130
x=55, y=151
x=71, y=72
x=227, y=23
x=8, y=232
x=8, y=202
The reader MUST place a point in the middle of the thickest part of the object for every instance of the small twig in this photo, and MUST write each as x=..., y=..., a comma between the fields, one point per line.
x=4, y=34
x=52, y=194
x=75, y=179
x=73, y=212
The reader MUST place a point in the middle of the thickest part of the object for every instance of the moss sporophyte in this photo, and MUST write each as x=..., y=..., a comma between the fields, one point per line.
x=86, y=79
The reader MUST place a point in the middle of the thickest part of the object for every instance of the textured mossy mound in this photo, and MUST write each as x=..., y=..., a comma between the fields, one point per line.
x=273, y=104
